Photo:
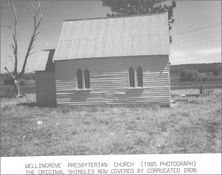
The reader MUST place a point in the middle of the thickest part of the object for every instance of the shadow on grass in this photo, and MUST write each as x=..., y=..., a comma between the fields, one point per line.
x=27, y=104
x=33, y=104
x=193, y=95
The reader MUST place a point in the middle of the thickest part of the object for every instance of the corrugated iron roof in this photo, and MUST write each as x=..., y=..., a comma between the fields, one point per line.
x=112, y=37
x=44, y=62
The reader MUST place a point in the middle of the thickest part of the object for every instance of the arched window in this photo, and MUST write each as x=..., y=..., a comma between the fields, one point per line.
x=79, y=79
x=87, y=79
x=140, y=77
x=131, y=77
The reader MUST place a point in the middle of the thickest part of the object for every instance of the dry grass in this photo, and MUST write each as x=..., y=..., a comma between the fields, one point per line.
x=191, y=127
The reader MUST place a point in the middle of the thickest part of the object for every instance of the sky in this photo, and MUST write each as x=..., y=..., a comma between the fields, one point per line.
x=196, y=31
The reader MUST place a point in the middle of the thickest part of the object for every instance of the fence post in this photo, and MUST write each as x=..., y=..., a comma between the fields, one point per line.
x=202, y=89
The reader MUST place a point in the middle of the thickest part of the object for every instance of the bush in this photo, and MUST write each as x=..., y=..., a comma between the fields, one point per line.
x=22, y=82
x=204, y=78
x=10, y=81
x=217, y=71
x=7, y=91
x=190, y=75
x=29, y=76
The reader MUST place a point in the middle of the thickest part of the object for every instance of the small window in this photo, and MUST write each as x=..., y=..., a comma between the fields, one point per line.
x=83, y=79
x=79, y=79
x=140, y=77
x=131, y=77
x=136, y=77
x=87, y=79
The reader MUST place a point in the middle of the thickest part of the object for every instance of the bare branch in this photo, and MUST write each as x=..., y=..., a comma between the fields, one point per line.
x=12, y=7
x=11, y=16
x=7, y=26
x=33, y=7
x=35, y=39
x=39, y=21
x=21, y=13
x=14, y=39
x=11, y=59
x=36, y=35
x=30, y=50
x=41, y=17
x=12, y=46
x=32, y=53
x=32, y=47
x=39, y=6
x=10, y=73
x=14, y=35
x=34, y=22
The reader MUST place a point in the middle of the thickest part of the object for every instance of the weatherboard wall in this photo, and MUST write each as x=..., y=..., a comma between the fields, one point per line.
x=109, y=84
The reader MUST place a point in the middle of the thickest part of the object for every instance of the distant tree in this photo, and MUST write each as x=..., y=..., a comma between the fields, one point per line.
x=29, y=76
x=140, y=7
x=217, y=70
x=17, y=76
x=190, y=75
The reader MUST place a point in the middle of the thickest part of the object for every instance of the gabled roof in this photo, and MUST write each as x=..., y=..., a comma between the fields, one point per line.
x=44, y=62
x=113, y=37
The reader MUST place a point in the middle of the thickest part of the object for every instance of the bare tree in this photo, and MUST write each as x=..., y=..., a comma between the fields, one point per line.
x=17, y=76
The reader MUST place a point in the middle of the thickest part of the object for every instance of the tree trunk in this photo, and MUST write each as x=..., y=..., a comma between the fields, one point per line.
x=17, y=86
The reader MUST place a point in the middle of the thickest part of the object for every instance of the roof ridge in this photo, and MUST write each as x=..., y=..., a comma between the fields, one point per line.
x=154, y=14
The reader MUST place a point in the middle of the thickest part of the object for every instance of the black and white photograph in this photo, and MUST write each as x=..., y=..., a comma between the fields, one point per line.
x=110, y=78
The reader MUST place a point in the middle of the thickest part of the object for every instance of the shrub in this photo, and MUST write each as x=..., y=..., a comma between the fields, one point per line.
x=29, y=76
x=204, y=78
x=10, y=81
x=217, y=71
x=190, y=75
x=7, y=91
x=22, y=82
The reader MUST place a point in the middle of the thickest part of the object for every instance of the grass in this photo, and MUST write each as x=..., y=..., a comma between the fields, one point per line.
x=193, y=126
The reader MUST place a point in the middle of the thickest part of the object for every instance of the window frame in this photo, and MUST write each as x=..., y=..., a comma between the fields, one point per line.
x=83, y=80
x=87, y=79
x=139, y=71
x=136, y=78
x=79, y=79
x=131, y=74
